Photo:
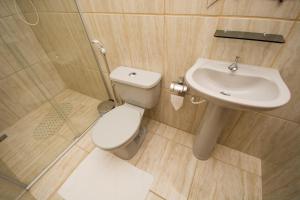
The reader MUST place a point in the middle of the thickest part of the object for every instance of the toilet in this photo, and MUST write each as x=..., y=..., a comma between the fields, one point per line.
x=119, y=130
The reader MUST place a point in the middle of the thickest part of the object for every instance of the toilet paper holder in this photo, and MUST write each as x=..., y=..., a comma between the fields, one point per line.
x=178, y=86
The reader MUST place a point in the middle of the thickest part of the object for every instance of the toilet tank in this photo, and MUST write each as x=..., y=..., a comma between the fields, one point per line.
x=136, y=86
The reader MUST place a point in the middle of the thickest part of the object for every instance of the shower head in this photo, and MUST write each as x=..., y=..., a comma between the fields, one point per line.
x=99, y=46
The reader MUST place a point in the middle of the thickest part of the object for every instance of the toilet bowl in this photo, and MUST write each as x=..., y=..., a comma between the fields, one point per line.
x=119, y=130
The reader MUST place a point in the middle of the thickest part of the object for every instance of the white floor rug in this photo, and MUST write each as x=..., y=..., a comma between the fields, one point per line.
x=103, y=176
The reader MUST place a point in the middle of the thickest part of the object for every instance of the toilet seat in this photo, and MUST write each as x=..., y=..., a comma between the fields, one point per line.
x=117, y=127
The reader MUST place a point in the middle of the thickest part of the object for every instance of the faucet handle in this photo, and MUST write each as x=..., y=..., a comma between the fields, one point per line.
x=237, y=58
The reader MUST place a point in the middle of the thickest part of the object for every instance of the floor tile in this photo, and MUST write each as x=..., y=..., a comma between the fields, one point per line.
x=55, y=177
x=176, y=173
x=141, y=150
x=151, y=158
x=36, y=140
x=86, y=142
x=238, y=159
x=216, y=180
x=172, y=166
x=161, y=129
x=184, y=138
x=56, y=196
x=152, y=125
x=166, y=131
x=166, y=153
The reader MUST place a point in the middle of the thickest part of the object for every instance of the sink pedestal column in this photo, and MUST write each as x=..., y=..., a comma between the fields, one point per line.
x=214, y=120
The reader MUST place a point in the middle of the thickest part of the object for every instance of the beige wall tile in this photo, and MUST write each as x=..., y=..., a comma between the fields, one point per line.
x=80, y=40
x=85, y=81
x=287, y=62
x=187, y=118
x=281, y=181
x=130, y=40
x=47, y=78
x=111, y=31
x=262, y=8
x=63, y=37
x=20, y=94
x=5, y=69
x=64, y=40
x=269, y=138
x=145, y=41
x=49, y=6
x=20, y=40
x=7, y=117
x=187, y=39
x=250, y=52
x=104, y=6
x=10, y=58
x=6, y=8
x=120, y=6
x=143, y=6
x=194, y=7
x=216, y=180
x=234, y=115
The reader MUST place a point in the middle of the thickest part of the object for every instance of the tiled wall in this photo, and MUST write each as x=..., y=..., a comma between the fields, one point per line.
x=62, y=36
x=167, y=36
x=23, y=66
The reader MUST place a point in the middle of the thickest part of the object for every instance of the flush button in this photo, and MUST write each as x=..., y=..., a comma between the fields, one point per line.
x=132, y=74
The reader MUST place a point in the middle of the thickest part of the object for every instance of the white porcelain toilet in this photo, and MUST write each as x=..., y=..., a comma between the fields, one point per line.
x=119, y=130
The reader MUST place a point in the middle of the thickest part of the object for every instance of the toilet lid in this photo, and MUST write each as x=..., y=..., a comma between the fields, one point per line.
x=116, y=127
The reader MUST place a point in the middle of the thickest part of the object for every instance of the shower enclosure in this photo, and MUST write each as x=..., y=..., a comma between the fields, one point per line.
x=50, y=87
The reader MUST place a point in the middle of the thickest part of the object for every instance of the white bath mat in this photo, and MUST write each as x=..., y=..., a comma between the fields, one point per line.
x=103, y=176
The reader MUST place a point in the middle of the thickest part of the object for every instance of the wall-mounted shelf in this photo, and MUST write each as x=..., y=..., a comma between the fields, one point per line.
x=263, y=37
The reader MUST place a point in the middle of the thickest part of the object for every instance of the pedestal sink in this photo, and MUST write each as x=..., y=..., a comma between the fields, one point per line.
x=248, y=88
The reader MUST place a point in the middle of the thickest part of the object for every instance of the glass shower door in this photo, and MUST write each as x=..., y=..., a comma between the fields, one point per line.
x=50, y=87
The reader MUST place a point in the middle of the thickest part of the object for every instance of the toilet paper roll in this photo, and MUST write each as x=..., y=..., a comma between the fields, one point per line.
x=176, y=101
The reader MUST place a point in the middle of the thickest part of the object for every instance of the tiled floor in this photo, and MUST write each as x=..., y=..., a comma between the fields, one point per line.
x=166, y=153
x=26, y=155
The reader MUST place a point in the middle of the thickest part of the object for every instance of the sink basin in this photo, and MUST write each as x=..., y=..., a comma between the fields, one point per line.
x=250, y=87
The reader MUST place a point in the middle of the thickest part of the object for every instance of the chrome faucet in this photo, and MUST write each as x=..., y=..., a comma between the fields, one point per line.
x=234, y=66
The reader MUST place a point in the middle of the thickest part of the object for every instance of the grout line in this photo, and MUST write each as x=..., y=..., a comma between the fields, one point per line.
x=155, y=193
x=194, y=173
x=277, y=117
x=227, y=163
x=282, y=47
x=193, y=15
x=171, y=140
x=233, y=127
x=62, y=182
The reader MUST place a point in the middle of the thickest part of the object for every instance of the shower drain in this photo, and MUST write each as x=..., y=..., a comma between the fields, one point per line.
x=52, y=122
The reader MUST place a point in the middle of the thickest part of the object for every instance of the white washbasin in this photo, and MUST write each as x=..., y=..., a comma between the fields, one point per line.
x=250, y=87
